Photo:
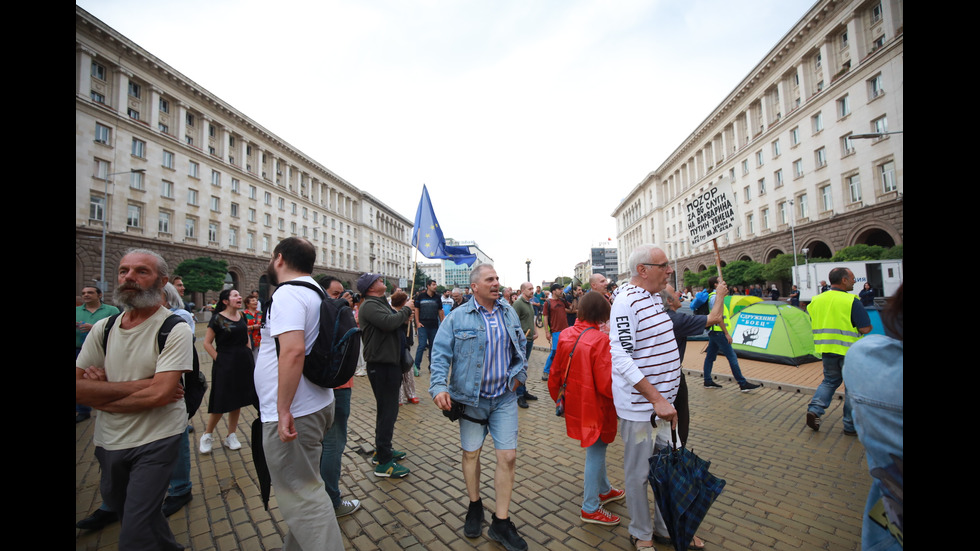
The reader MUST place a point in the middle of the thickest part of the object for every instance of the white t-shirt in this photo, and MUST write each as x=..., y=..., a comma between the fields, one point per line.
x=642, y=343
x=294, y=308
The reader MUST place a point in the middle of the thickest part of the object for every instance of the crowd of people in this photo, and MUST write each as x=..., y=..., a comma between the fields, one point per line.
x=607, y=378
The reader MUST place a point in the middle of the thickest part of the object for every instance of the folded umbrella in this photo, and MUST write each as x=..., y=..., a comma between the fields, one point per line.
x=258, y=459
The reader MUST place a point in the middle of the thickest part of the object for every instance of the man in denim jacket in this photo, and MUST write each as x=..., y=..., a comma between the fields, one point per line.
x=483, y=342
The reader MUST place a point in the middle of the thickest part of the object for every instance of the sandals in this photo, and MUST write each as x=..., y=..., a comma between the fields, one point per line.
x=667, y=541
x=633, y=541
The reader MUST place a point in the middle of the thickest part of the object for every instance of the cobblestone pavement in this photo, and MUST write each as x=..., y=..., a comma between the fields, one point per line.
x=787, y=487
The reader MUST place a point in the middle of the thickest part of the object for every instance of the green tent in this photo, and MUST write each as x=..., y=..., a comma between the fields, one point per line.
x=772, y=331
x=737, y=303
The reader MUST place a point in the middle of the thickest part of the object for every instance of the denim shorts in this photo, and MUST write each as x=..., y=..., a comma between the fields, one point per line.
x=502, y=413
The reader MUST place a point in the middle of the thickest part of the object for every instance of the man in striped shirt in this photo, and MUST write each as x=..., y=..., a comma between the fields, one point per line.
x=646, y=376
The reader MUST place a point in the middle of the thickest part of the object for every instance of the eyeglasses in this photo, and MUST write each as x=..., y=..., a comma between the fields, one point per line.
x=662, y=266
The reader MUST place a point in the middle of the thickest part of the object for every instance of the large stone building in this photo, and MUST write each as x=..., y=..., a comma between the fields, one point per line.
x=782, y=139
x=169, y=166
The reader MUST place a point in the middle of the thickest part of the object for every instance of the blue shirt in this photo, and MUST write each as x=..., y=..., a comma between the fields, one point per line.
x=496, y=357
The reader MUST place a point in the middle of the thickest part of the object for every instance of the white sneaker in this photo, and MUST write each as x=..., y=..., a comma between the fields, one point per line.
x=206, y=442
x=347, y=507
x=232, y=443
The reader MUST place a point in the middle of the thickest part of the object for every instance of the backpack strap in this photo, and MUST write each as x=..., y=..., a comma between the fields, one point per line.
x=165, y=329
x=308, y=285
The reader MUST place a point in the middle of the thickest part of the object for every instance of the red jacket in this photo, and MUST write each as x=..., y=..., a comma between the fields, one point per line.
x=589, y=410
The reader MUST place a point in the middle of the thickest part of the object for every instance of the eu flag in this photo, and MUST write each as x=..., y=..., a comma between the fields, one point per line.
x=428, y=239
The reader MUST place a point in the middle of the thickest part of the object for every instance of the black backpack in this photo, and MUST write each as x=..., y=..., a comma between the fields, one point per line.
x=195, y=384
x=333, y=358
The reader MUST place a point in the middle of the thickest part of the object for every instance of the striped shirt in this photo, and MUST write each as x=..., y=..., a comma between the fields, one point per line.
x=642, y=340
x=496, y=356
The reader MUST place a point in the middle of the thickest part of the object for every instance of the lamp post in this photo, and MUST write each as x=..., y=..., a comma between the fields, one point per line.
x=528, y=262
x=105, y=220
x=792, y=227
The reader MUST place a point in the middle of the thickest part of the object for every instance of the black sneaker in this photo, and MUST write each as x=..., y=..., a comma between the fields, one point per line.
x=528, y=396
x=711, y=384
x=505, y=533
x=473, y=526
x=812, y=420
x=522, y=402
x=748, y=386
x=172, y=504
x=97, y=520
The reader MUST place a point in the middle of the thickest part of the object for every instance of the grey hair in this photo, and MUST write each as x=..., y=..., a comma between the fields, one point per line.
x=172, y=297
x=640, y=255
x=475, y=273
x=668, y=299
x=162, y=269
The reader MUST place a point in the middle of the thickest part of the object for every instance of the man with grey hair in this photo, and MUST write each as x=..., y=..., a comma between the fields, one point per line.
x=483, y=342
x=137, y=389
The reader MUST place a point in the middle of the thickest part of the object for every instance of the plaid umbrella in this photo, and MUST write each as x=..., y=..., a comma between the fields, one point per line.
x=684, y=490
x=258, y=459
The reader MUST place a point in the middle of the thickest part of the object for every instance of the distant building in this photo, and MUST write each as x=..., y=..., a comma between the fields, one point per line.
x=786, y=141
x=605, y=261
x=458, y=275
x=167, y=165
x=583, y=270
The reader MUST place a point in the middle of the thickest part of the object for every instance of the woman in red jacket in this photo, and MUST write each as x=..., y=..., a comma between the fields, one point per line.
x=590, y=415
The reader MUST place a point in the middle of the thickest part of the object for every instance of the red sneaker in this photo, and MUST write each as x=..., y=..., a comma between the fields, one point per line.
x=613, y=495
x=413, y=400
x=601, y=516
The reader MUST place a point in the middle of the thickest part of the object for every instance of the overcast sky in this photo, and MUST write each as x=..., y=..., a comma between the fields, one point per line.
x=528, y=120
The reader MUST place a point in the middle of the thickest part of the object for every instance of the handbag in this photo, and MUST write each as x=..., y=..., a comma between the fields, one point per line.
x=407, y=361
x=560, y=401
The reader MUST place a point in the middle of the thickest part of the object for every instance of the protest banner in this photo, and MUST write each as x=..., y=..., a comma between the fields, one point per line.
x=710, y=214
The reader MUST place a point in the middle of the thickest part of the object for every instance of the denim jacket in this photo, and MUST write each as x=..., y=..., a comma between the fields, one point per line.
x=461, y=342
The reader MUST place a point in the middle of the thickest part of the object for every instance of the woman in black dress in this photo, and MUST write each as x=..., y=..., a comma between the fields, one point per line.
x=232, y=385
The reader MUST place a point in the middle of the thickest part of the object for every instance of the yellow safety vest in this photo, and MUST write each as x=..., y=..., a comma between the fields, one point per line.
x=724, y=313
x=830, y=317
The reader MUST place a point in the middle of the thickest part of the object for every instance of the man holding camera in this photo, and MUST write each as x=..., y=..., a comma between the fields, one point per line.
x=483, y=342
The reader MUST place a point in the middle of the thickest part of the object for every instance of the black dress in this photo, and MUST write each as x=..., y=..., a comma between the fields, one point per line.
x=232, y=382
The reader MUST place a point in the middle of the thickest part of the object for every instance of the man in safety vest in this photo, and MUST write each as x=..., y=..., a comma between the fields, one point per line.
x=838, y=320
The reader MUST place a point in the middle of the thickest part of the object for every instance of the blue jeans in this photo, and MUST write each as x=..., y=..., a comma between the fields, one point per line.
x=551, y=356
x=718, y=342
x=595, y=479
x=833, y=376
x=180, y=478
x=502, y=414
x=334, y=442
x=427, y=336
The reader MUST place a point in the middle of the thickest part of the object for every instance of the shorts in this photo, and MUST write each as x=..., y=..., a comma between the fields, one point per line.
x=502, y=414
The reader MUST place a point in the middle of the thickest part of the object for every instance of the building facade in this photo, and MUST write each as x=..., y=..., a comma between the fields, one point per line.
x=788, y=141
x=166, y=165
x=458, y=275
x=605, y=261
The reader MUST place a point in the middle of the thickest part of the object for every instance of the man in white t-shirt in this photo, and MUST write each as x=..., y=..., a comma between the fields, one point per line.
x=295, y=412
x=646, y=376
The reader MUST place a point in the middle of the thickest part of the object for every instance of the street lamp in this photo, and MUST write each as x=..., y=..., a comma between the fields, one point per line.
x=105, y=221
x=528, y=262
x=792, y=227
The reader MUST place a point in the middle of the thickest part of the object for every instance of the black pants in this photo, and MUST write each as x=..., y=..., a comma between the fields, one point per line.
x=386, y=380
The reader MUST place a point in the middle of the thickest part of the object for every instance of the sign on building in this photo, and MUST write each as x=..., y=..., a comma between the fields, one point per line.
x=710, y=215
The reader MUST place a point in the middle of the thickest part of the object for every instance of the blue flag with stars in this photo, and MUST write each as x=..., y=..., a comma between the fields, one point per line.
x=428, y=239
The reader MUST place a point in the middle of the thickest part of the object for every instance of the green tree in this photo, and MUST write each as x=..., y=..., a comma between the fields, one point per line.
x=895, y=253
x=781, y=267
x=742, y=272
x=859, y=252
x=202, y=274
x=420, y=278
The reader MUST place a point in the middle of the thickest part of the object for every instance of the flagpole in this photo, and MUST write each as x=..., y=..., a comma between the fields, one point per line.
x=415, y=269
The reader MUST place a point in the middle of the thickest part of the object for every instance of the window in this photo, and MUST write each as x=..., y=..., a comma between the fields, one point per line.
x=826, y=198
x=167, y=189
x=97, y=97
x=215, y=178
x=250, y=241
x=798, y=168
x=846, y=147
x=235, y=184
x=234, y=210
x=265, y=243
x=139, y=148
x=282, y=224
x=843, y=107
x=282, y=204
x=817, y=121
x=750, y=223
x=189, y=119
x=875, y=87
x=168, y=159
x=103, y=134
x=98, y=71
x=211, y=130
x=804, y=206
x=886, y=172
x=192, y=197
x=193, y=169
x=252, y=192
x=189, y=140
x=163, y=225
x=96, y=208
x=842, y=40
x=758, y=158
x=292, y=228
x=880, y=126
x=251, y=215
x=213, y=232
x=231, y=141
x=190, y=228
x=745, y=167
x=215, y=203
x=163, y=128
x=232, y=237
x=292, y=208
x=747, y=191
x=268, y=198
x=136, y=180
x=267, y=220
x=101, y=169
x=762, y=186
x=784, y=213
x=876, y=13
x=211, y=150
x=134, y=215
x=765, y=219
x=853, y=183
x=794, y=136
x=135, y=90
x=133, y=114
x=820, y=157
x=775, y=149
x=164, y=106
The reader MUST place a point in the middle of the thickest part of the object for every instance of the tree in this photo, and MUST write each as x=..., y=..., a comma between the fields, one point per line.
x=781, y=267
x=420, y=278
x=202, y=274
x=895, y=253
x=742, y=273
x=859, y=252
